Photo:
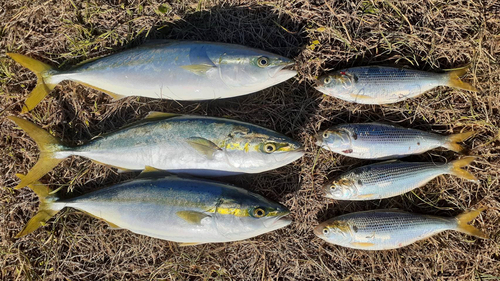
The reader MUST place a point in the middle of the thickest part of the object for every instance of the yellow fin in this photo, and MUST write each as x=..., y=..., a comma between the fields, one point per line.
x=42, y=88
x=191, y=216
x=366, y=196
x=113, y=95
x=45, y=211
x=189, y=244
x=198, y=69
x=455, y=168
x=47, y=144
x=107, y=165
x=159, y=115
x=362, y=244
x=452, y=141
x=466, y=217
x=457, y=83
x=203, y=146
x=361, y=97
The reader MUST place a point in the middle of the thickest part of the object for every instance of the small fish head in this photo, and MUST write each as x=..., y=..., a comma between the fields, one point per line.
x=253, y=70
x=340, y=189
x=335, y=139
x=336, y=83
x=256, y=215
x=255, y=150
x=334, y=231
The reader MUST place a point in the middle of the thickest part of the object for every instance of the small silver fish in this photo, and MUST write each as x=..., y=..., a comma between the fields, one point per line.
x=391, y=178
x=385, y=85
x=188, y=211
x=383, y=141
x=168, y=69
x=390, y=229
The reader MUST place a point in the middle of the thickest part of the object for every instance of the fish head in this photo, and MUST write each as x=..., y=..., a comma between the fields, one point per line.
x=335, y=139
x=334, y=231
x=256, y=215
x=340, y=189
x=252, y=70
x=337, y=83
x=256, y=149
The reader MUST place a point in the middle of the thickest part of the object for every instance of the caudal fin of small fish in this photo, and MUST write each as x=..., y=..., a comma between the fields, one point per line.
x=452, y=141
x=454, y=80
x=43, y=86
x=45, y=211
x=47, y=144
x=456, y=168
x=463, y=227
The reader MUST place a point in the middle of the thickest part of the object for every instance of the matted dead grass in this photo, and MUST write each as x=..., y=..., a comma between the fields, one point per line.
x=321, y=36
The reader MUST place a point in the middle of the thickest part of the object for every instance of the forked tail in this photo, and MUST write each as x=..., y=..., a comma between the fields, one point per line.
x=463, y=227
x=43, y=73
x=454, y=80
x=455, y=168
x=46, y=210
x=47, y=144
x=451, y=142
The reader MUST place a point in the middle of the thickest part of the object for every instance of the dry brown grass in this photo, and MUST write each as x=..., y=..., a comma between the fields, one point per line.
x=320, y=36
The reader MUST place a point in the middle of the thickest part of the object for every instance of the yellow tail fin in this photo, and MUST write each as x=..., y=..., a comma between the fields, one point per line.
x=452, y=141
x=43, y=74
x=466, y=217
x=455, y=81
x=455, y=168
x=47, y=144
x=45, y=210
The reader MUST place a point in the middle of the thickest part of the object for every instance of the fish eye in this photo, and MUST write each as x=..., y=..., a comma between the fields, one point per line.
x=326, y=231
x=263, y=61
x=269, y=148
x=326, y=135
x=259, y=212
x=327, y=80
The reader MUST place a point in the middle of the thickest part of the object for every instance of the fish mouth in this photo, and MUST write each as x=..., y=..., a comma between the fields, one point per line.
x=283, y=71
x=279, y=222
x=318, y=231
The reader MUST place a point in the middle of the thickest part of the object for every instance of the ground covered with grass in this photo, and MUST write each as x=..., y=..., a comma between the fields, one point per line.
x=320, y=36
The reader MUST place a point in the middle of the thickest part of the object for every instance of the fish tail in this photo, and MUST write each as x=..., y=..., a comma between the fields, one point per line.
x=454, y=80
x=47, y=144
x=455, y=168
x=43, y=73
x=46, y=210
x=466, y=217
x=452, y=141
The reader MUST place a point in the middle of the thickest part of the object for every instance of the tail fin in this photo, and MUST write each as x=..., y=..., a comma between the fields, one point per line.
x=463, y=227
x=452, y=141
x=47, y=145
x=45, y=210
x=455, y=168
x=43, y=87
x=454, y=80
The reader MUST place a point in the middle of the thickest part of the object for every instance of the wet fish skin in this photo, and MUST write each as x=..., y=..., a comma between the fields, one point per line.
x=391, y=178
x=196, y=145
x=168, y=69
x=386, y=85
x=183, y=210
x=384, y=141
x=390, y=229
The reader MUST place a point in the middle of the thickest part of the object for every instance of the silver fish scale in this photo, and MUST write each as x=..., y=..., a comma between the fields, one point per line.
x=385, y=133
x=379, y=74
x=387, y=172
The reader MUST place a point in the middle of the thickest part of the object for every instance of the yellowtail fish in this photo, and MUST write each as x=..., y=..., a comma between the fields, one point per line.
x=383, y=141
x=385, y=85
x=188, y=211
x=390, y=229
x=196, y=145
x=176, y=70
x=391, y=178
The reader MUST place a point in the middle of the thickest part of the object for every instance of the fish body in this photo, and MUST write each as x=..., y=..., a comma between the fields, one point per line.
x=391, y=178
x=176, y=70
x=384, y=141
x=176, y=209
x=385, y=85
x=390, y=229
x=196, y=145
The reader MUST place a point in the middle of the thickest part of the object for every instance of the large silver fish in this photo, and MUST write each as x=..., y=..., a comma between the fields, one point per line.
x=177, y=70
x=196, y=145
x=188, y=211
x=385, y=85
x=383, y=141
x=391, y=178
x=390, y=229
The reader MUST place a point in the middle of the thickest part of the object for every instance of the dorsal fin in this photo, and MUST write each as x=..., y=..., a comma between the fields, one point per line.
x=160, y=115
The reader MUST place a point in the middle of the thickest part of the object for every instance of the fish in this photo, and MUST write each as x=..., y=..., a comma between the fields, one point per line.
x=168, y=69
x=386, y=85
x=384, y=141
x=391, y=229
x=391, y=178
x=183, y=210
x=183, y=144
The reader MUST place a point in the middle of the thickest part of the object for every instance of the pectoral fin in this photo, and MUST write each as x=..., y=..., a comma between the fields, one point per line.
x=362, y=244
x=203, y=146
x=361, y=97
x=191, y=216
x=366, y=196
x=198, y=69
